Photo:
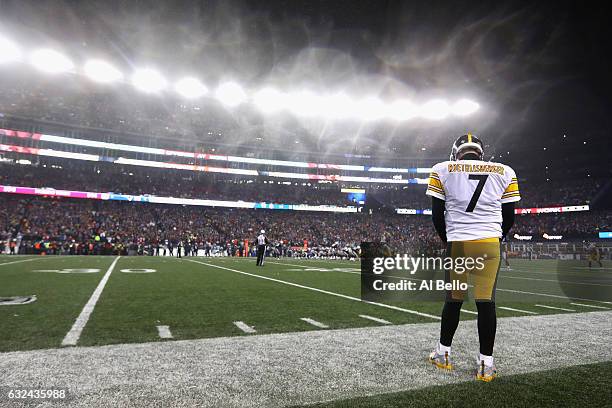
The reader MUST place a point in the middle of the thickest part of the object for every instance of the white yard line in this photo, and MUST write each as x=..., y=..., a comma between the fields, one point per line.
x=245, y=327
x=375, y=319
x=517, y=310
x=469, y=311
x=164, y=332
x=319, y=290
x=314, y=322
x=556, y=308
x=593, y=306
x=549, y=295
x=23, y=260
x=72, y=337
x=313, y=268
x=501, y=276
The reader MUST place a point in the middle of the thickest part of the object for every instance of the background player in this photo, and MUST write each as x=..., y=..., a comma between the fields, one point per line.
x=504, y=255
x=262, y=242
x=594, y=255
x=472, y=209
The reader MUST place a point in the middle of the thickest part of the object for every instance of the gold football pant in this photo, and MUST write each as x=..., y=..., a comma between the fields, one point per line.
x=475, y=263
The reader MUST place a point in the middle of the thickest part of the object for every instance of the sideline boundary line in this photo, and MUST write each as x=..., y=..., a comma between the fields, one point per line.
x=401, y=309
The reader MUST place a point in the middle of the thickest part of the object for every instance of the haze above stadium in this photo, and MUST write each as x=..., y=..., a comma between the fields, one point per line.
x=542, y=93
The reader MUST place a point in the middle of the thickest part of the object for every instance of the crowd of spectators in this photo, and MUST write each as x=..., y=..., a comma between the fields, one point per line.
x=106, y=177
x=161, y=182
x=63, y=223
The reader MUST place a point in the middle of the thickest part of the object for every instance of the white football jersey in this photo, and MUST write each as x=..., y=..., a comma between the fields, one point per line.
x=261, y=239
x=474, y=192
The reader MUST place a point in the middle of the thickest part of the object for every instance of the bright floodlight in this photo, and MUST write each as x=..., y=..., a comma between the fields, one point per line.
x=464, y=107
x=304, y=103
x=230, y=94
x=337, y=106
x=191, y=88
x=101, y=71
x=435, y=109
x=148, y=80
x=269, y=100
x=402, y=110
x=370, y=108
x=50, y=61
x=8, y=51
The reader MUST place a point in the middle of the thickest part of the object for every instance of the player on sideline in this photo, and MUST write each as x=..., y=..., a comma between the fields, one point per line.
x=478, y=198
x=262, y=242
x=594, y=255
x=504, y=254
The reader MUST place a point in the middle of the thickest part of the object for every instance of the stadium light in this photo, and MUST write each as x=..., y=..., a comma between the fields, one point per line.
x=370, y=108
x=304, y=103
x=101, y=71
x=9, y=52
x=50, y=61
x=435, y=109
x=191, y=88
x=269, y=100
x=464, y=107
x=230, y=94
x=148, y=80
x=337, y=106
x=402, y=110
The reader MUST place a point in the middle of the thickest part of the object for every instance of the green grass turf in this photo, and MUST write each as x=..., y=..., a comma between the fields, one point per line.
x=199, y=301
x=579, y=386
x=60, y=299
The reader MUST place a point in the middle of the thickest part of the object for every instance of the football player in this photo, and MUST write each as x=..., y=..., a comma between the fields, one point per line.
x=594, y=255
x=504, y=254
x=472, y=211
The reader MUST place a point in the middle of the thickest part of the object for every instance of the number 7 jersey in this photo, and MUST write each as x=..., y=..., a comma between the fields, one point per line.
x=474, y=192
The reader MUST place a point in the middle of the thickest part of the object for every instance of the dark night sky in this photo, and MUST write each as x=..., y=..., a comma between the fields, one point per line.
x=538, y=70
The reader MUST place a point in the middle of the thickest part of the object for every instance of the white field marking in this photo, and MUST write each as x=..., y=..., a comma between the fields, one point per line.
x=72, y=337
x=69, y=270
x=14, y=302
x=554, y=280
x=310, y=268
x=586, y=267
x=375, y=319
x=145, y=270
x=320, y=290
x=245, y=327
x=469, y=311
x=164, y=332
x=555, y=308
x=593, y=306
x=517, y=310
x=500, y=289
x=549, y=295
x=314, y=322
x=23, y=260
x=532, y=272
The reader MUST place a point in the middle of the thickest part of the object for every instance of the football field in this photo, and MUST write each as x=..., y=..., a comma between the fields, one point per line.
x=99, y=301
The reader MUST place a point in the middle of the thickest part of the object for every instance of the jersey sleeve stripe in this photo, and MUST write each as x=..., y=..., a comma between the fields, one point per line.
x=436, y=183
x=511, y=188
x=432, y=193
x=438, y=190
